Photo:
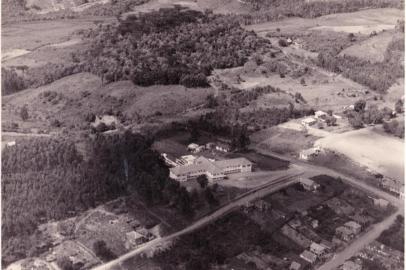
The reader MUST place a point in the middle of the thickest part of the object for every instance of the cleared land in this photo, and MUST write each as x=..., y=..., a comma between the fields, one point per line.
x=381, y=153
x=372, y=49
x=364, y=21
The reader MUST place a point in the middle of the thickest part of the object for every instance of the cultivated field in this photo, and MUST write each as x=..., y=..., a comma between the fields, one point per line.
x=368, y=147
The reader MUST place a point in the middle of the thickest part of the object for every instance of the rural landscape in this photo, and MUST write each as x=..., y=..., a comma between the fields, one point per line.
x=202, y=134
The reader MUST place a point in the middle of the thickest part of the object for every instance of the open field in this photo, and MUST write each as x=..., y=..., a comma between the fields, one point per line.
x=364, y=21
x=379, y=152
x=372, y=49
x=283, y=140
x=83, y=93
x=35, y=34
x=219, y=7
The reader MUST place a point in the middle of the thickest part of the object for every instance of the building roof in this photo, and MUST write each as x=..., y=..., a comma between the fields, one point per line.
x=353, y=225
x=320, y=113
x=294, y=266
x=232, y=162
x=309, y=120
x=308, y=256
x=193, y=145
x=344, y=230
x=134, y=235
x=309, y=151
x=204, y=164
x=317, y=247
x=306, y=181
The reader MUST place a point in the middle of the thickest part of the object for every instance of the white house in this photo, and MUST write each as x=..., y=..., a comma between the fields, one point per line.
x=309, y=153
x=308, y=184
x=320, y=114
x=192, y=147
x=214, y=170
x=309, y=121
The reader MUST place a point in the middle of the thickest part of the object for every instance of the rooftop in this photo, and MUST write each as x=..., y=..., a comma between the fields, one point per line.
x=204, y=164
x=308, y=256
x=352, y=224
x=317, y=247
x=306, y=181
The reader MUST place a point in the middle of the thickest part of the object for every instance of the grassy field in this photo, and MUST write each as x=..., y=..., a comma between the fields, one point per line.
x=372, y=49
x=364, y=21
x=32, y=35
x=379, y=152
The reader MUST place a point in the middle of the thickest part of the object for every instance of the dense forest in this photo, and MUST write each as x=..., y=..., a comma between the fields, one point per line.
x=169, y=46
x=272, y=10
x=46, y=179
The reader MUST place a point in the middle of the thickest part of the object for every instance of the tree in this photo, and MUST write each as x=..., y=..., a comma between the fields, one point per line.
x=202, y=180
x=302, y=81
x=211, y=101
x=194, y=134
x=282, y=42
x=65, y=263
x=399, y=106
x=211, y=200
x=355, y=120
x=24, y=113
x=360, y=105
x=102, y=251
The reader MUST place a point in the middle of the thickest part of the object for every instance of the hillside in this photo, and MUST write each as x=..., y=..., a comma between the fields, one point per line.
x=70, y=99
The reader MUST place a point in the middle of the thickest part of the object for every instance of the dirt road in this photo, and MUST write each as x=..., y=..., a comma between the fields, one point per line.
x=234, y=204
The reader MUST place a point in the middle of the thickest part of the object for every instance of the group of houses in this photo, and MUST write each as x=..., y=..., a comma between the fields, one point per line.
x=214, y=169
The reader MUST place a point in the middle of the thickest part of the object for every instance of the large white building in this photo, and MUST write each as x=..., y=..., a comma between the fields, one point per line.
x=214, y=170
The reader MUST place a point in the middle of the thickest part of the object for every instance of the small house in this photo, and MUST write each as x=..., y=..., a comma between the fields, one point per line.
x=308, y=256
x=344, y=233
x=134, y=239
x=192, y=147
x=222, y=147
x=320, y=115
x=353, y=226
x=308, y=184
x=315, y=223
x=381, y=203
x=294, y=266
x=317, y=249
x=309, y=153
x=309, y=121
